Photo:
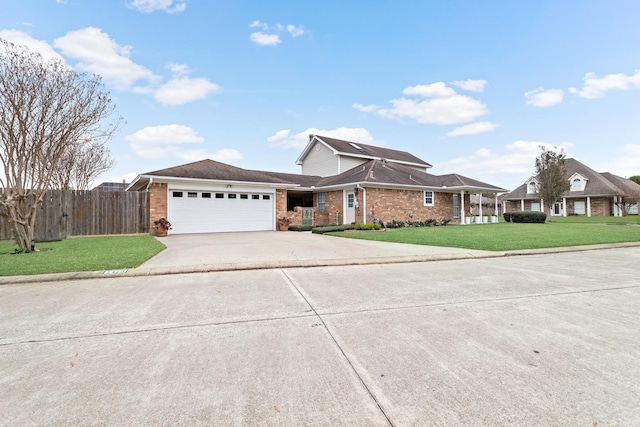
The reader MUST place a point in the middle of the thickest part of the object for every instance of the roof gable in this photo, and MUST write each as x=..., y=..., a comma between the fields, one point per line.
x=364, y=151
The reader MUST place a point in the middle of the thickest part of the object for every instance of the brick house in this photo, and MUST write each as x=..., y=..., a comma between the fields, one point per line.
x=341, y=182
x=591, y=193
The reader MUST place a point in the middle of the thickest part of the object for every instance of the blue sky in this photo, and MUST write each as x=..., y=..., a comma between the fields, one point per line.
x=472, y=87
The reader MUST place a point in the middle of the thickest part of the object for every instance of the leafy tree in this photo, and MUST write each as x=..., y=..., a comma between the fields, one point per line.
x=46, y=109
x=551, y=177
x=635, y=178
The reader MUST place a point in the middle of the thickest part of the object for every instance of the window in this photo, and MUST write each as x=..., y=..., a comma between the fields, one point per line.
x=578, y=208
x=231, y=196
x=255, y=197
x=322, y=204
x=177, y=194
x=266, y=197
x=244, y=196
x=219, y=195
x=535, y=206
x=456, y=206
x=192, y=194
x=532, y=187
x=350, y=199
x=576, y=185
x=428, y=198
x=206, y=195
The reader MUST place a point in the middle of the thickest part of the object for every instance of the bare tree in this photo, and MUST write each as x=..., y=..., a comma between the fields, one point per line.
x=45, y=109
x=551, y=177
x=81, y=164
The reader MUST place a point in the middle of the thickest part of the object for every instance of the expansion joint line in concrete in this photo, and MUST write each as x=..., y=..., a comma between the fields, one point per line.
x=335, y=341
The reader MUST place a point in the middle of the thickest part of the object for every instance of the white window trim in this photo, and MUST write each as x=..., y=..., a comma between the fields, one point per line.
x=433, y=198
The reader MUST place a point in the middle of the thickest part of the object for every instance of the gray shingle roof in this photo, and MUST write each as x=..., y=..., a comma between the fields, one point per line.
x=371, y=151
x=598, y=184
x=212, y=170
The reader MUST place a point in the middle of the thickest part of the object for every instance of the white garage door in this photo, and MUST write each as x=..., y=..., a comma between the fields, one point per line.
x=212, y=212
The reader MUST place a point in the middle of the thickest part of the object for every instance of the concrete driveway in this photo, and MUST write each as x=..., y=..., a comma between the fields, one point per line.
x=277, y=248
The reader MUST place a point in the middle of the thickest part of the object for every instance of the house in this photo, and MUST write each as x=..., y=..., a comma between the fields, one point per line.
x=341, y=182
x=590, y=193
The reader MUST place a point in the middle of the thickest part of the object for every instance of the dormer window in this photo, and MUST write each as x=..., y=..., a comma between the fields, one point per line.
x=531, y=188
x=576, y=185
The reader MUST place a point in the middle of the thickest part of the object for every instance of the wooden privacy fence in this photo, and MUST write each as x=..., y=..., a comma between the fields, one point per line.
x=65, y=213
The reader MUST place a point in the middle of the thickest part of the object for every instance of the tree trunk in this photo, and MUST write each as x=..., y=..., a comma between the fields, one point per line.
x=23, y=219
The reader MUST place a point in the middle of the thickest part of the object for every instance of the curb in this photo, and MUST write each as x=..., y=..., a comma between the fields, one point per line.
x=227, y=267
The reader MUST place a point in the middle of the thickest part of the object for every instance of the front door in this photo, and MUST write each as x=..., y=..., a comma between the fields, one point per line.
x=557, y=209
x=350, y=208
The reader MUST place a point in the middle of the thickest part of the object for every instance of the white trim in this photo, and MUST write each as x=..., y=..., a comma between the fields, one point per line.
x=433, y=198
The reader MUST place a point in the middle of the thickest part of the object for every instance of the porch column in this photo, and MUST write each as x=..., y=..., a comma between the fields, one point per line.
x=480, y=208
x=495, y=204
x=564, y=206
x=522, y=204
x=364, y=205
x=462, y=220
x=588, y=205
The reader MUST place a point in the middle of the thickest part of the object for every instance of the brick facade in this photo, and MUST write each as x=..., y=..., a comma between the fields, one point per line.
x=406, y=205
x=600, y=206
x=157, y=204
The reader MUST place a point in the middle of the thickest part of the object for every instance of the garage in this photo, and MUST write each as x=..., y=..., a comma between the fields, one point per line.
x=198, y=211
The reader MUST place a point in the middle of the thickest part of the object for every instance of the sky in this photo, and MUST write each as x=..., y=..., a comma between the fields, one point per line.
x=471, y=87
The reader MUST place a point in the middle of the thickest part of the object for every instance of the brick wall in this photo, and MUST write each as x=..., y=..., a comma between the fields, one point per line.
x=157, y=204
x=406, y=205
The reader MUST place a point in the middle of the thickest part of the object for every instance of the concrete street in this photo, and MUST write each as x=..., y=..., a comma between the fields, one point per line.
x=549, y=339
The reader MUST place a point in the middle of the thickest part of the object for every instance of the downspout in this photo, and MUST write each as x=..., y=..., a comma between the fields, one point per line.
x=149, y=184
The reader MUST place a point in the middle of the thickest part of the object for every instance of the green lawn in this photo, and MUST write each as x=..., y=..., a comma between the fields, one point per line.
x=509, y=236
x=93, y=253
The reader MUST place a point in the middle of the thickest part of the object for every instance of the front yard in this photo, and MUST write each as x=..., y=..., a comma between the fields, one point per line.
x=511, y=236
x=93, y=253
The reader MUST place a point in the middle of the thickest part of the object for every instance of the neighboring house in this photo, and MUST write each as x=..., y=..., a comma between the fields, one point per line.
x=341, y=182
x=591, y=193
x=111, y=186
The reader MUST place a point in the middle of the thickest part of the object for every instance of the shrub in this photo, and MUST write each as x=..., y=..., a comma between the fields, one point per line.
x=360, y=226
x=300, y=227
x=525, y=217
x=332, y=228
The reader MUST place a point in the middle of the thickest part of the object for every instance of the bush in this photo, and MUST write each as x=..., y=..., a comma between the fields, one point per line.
x=332, y=228
x=360, y=226
x=525, y=217
x=300, y=227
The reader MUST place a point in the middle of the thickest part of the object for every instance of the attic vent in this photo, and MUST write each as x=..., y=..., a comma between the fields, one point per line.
x=354, y=145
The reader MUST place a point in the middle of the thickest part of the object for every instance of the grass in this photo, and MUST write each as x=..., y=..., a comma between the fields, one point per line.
x=95, y=253
x=510, y=236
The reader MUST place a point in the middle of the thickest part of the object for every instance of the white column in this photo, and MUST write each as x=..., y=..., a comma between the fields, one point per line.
x=588, y=205
x=564, y=206
x=462, y=219
x=495, y=204
x=522, y=204
x=480, y=208
x=364, y=206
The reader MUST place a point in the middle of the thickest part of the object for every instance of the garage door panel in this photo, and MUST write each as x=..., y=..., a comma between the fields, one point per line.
x=210, y=215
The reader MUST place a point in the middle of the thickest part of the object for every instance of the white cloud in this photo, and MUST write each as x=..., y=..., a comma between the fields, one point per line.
x=473, y=128
x=627, y=162
x=471, y=85
x=40, y=46
x=182, y=89
x=98, y=53
x=519, y=160
x=544, y=98
x=270, y=34
x=596, y=87
x=433, y=90
x=295, y=31
x=443, y=107
x=366, y=108
x=283, y=139
x=168, y=141
x=169, y=6
x=164, y=134
x=265, y=39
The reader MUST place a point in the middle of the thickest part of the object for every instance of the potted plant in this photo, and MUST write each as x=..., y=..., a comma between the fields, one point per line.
x=162, y=227
x=283, y=223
